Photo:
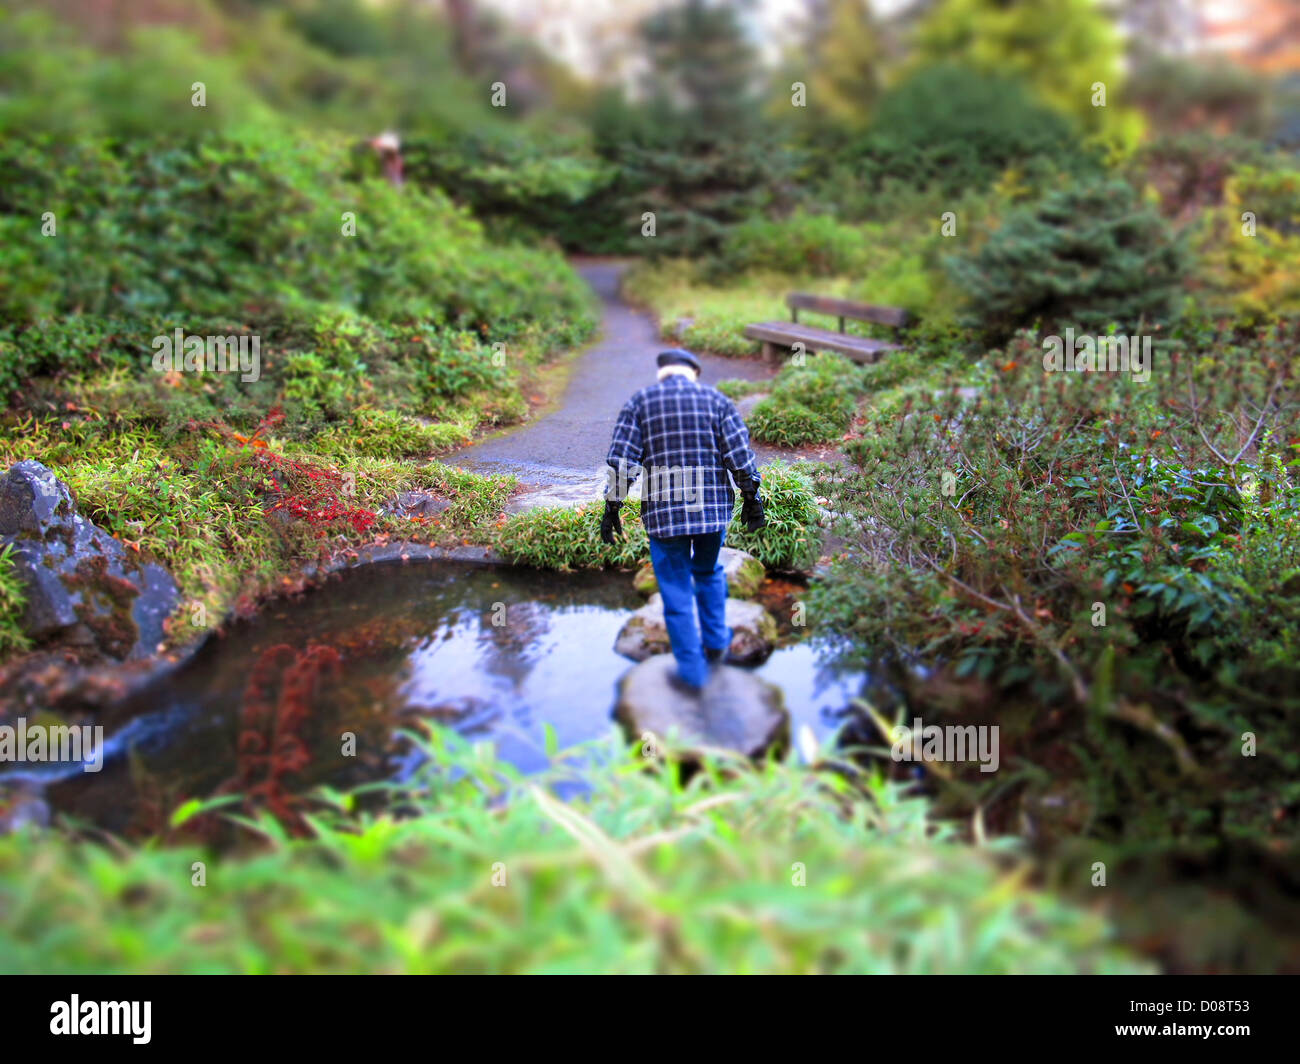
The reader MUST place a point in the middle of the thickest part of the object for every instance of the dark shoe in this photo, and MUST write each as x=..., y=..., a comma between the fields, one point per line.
x=679, y=685
x=713, y=654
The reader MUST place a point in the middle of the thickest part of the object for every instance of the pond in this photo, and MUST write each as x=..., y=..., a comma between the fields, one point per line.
x=315, y=690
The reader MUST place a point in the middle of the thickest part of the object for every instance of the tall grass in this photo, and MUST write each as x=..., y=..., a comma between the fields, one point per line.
x=771, y=869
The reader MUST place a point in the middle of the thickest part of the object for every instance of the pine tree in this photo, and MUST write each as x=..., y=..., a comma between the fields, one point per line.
x=1086, y=257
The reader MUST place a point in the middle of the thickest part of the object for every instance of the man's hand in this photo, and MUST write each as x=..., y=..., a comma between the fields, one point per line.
x=610, y=525
x=751, y=512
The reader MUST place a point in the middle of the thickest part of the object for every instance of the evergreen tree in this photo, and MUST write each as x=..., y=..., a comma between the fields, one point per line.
x=1086, y=257
x=697, y=154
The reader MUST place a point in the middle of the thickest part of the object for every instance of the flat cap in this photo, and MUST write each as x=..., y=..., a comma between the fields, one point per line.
x=678, y=356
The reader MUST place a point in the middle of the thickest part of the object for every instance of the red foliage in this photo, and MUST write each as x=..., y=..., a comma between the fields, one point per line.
x=312, y=493
x=277, y=702
x=316, y=495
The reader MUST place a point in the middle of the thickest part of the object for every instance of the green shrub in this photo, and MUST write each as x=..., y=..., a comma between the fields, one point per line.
x=386, y=434
x=738, y=389
x=1086, y=257
x=803, y=245
x=792, y=539
x=956, y=129
x=568, y=537
x=810, y=403
x=1251, y=275
x=1090, y=542
x=786, y=423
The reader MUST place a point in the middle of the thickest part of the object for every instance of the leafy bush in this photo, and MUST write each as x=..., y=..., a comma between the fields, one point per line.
x=792, y=539
x=638, y=873
x=1251, y=272
x=813, y=245
x=1087, y=256
x=787, y=423
x=1095, y=544
x=812, y=403
x=387, y=434
x=711, y=318
x=568, y=537
x=738, y=389
x=1038, y=42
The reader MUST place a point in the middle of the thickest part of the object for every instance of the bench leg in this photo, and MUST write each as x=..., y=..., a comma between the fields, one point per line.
x=770, y=355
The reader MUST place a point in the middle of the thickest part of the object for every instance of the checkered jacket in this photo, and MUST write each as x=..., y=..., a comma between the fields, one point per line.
x=686, y=437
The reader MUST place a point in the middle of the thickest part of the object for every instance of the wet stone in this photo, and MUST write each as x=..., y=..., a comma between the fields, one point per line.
x=735, y=710
x=753, y=632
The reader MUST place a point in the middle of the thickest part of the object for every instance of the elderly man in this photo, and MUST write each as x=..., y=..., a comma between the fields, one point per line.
x=687, y=438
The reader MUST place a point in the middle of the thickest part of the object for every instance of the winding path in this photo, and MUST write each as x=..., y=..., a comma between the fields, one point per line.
x=560, y=456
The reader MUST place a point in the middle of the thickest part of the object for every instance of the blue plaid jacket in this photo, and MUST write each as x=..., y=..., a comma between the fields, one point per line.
x=686, y=437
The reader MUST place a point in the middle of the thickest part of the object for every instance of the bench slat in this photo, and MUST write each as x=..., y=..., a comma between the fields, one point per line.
x=858, y=348
x=848, y=308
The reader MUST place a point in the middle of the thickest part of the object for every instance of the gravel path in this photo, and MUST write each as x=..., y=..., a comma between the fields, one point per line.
x=560, y=457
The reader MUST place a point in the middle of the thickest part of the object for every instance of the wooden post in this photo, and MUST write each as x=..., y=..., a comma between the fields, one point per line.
x=841, y=323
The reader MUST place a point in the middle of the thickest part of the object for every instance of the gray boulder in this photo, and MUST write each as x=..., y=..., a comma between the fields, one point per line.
x=753, y=632
x=735, y=710
x=82, y=587
x=744, y=574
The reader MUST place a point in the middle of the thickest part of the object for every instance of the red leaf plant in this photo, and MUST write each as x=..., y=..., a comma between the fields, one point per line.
x=278, y=698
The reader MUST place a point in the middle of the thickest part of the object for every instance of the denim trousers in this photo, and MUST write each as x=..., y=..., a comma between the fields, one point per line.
x=691, y=579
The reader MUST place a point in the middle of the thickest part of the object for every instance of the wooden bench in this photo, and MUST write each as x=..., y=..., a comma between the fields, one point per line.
x=775, y=334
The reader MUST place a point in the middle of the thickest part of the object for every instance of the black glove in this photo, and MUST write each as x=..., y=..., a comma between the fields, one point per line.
x=610, y=525
x=751, y=512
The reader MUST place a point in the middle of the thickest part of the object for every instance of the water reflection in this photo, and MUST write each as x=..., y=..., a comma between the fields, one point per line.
x=317, y=689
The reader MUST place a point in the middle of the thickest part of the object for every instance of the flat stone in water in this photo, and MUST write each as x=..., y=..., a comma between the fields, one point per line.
x=753, y=632
x=735, y=710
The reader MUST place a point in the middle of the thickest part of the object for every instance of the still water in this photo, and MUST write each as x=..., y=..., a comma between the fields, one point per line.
x=494, y=652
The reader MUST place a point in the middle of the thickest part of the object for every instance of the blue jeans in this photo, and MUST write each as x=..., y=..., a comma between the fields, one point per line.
x=690, y=578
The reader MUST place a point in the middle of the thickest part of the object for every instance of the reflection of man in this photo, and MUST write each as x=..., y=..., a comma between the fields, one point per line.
x=687, y=437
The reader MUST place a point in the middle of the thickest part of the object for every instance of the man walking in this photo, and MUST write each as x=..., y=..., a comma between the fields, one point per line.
x=686, y=437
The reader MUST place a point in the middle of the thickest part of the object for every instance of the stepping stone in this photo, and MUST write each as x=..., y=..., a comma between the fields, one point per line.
x=735, y=710
x=744, y=573
x=753, y=632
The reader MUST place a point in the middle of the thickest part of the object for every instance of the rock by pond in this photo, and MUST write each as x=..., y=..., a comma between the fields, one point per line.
x=753, y=632
x=735, y=710
x=744, y=574
x=83, y=589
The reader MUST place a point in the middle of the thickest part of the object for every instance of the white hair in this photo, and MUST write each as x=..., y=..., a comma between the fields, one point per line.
x=678, y=368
